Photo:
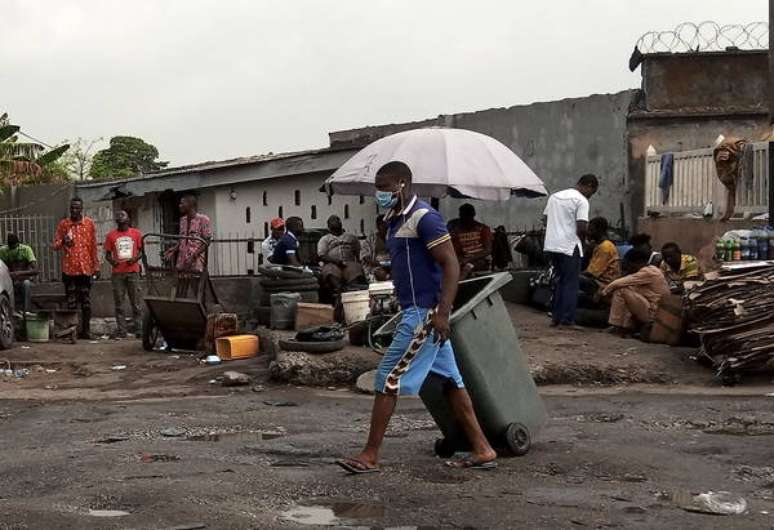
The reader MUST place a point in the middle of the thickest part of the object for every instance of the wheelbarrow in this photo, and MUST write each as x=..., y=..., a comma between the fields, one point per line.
x=177, y=301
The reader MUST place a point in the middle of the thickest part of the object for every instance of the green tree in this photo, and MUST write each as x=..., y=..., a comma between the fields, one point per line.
x=127, y=156
x=76, y=162
x=26, y=162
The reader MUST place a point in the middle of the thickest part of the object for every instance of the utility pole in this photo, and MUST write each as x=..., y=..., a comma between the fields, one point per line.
x=771, y=113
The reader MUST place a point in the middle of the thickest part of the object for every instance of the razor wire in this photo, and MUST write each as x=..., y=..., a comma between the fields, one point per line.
x=706, y=37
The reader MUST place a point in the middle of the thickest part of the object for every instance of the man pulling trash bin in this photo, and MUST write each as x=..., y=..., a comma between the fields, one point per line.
x=425, y=272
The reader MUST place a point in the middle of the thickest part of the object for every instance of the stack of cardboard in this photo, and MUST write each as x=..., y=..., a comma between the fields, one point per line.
x=733, y=314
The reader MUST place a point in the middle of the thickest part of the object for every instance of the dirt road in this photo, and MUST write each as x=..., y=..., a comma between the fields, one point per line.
x=236, y=462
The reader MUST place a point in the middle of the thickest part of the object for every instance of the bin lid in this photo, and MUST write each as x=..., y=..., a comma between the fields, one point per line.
x=489, y=285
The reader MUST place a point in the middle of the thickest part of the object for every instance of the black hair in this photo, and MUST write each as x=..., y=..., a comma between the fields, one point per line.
x=671, y=246
x=395, y=170
x=637, y=256
x=467, y=209
x=76, y=199
x=192, y=198
x=638, y=240
x=292, y=223
x=599, y=223
x=333, y=217
x=589, y=179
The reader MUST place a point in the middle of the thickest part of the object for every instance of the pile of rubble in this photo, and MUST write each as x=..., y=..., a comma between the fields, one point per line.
x=733, y=314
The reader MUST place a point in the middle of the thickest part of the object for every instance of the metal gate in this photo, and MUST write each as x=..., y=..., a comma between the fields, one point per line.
x=38, y=232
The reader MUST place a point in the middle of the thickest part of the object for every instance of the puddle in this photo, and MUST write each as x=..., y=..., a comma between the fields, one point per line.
x=335, y=514
x=243, y=436
x=108, y=513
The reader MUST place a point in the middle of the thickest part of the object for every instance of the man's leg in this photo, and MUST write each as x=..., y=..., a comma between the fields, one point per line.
x=461, y=405
x=133, y=286
x=401, y=371
x=26, y=291
x=556, y=306
x=83, y=294
x=638, y=305
x=571, y=286
x=118, y=283
x=70, y=291
x=384, y=405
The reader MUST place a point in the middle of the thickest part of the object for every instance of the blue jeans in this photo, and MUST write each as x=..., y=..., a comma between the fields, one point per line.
x=567, y=270
x=22, y=293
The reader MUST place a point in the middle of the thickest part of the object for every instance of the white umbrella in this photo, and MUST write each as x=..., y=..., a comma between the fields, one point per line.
x=443, y=162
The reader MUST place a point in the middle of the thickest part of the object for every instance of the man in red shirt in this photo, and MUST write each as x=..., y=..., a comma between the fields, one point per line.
x=123, y=250
x=76, y=237
x=472, y=242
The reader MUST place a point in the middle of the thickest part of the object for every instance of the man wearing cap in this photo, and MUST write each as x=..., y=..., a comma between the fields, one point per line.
x=277, y=231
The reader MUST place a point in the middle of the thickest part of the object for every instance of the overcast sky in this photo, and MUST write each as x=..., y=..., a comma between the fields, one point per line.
x=207, y=80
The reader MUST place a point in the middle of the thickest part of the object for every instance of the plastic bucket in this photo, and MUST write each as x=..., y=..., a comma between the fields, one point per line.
x=283, y=310
x=356, y=306
x=37, y=327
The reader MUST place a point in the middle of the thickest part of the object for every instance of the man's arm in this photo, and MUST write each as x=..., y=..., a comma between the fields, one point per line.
x=59, y=236
x=30, y=272
x=94, y=255
x=323, y=251
x=640, y=277
x=445, y=256
x=581, y=228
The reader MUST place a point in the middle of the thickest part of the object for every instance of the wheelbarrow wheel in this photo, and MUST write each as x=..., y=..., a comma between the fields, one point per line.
x=517, y=439
x=150, y=332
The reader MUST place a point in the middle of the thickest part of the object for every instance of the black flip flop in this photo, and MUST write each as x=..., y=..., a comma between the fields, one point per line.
x=469, y=463
x=354, y=470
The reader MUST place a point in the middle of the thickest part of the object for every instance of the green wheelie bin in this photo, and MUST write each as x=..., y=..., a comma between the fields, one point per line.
x=494, y=369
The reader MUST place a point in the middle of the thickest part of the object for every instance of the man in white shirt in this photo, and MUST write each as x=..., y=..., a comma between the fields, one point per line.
x=567, y=217
x=268, y=244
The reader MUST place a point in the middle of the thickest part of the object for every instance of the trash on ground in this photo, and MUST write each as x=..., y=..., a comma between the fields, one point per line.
x=339, y=513
x=258, y=388
x=114, y=438
x=714, y=503
x=50, y=371
x=147, y=458
x=280, y=403
x=25, y=347
x=232, y=378
x=212, y=360
x=108, y=513
x=172, y=432
x=117, y=367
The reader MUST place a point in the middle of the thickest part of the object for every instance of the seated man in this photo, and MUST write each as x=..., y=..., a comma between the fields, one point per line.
x=636, y=295
x=604, y=266
x=642, y=242
x=374, y=254
x=23, y=266
x=472, y=242
x=268, y=244
x=286, y=249
x=679, y=268
x=339, y=253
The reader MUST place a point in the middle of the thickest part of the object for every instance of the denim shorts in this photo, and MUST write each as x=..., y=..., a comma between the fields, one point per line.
x=408, y=360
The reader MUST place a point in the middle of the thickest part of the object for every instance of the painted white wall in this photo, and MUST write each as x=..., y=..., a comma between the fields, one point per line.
x=281, y=192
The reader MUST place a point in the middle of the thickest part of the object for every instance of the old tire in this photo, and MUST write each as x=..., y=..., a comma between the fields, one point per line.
x=272, y=273
x=443, y=449
x=517, y=439
x=280, y=283
x=6, y=323
x=150, y=332
x=312, y=347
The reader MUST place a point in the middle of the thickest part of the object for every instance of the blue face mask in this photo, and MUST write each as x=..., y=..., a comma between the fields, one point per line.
x=386, y=199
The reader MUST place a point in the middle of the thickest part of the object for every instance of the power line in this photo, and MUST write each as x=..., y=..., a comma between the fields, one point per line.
x=44, y=144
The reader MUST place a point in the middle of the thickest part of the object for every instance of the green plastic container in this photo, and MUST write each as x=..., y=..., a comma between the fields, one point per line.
x=37, y=327
x=494, y=369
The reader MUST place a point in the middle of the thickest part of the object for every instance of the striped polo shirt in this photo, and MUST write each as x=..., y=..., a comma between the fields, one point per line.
x=412, y=233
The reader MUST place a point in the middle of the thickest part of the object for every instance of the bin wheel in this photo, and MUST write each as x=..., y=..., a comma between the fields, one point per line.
x=150, y=332
x=442, y=449
x=517, y=438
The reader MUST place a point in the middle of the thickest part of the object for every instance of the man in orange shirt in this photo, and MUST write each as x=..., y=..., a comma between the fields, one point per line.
x=472, y=242
x=76, y=237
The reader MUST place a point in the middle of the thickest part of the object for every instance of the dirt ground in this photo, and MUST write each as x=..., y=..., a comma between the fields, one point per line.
x=160, y=443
